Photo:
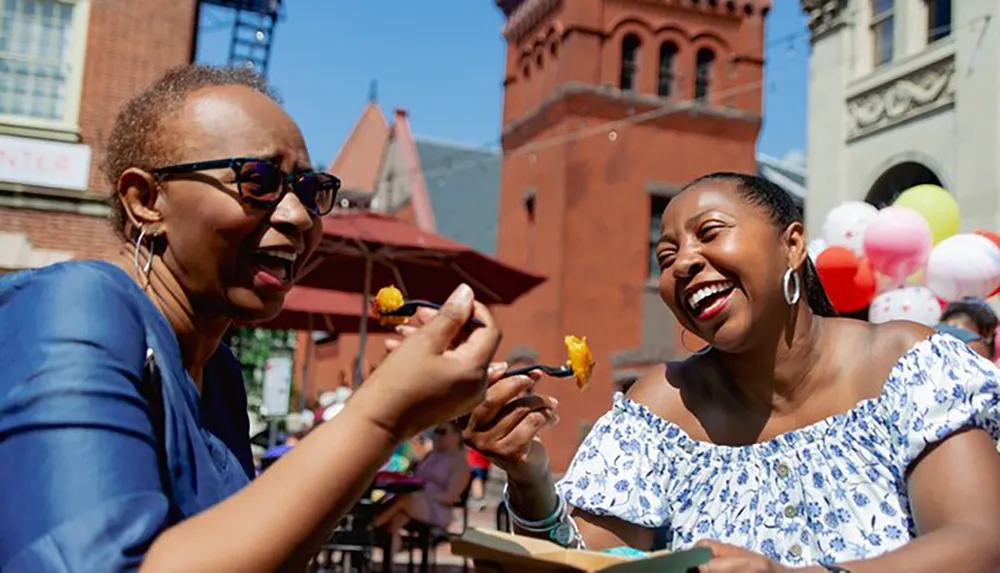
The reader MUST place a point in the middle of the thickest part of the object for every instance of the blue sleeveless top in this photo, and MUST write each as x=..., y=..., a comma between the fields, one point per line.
x=104, y=438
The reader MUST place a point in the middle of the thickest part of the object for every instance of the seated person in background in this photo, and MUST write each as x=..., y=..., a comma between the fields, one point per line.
x=972, y=321
x=446, y=475
x=297, y=425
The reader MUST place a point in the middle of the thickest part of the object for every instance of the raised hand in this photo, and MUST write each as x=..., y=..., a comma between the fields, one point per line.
x=437, y=374
x=506, y=424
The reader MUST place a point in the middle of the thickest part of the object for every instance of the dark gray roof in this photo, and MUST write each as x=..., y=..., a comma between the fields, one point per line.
x=463, y=184
x=789, y=173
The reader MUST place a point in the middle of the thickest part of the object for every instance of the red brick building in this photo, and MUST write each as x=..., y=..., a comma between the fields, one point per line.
x=68, y=68
x=610, y=106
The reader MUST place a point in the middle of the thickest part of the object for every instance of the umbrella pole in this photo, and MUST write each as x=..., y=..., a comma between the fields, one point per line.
x=363, y=329
x=304, y=386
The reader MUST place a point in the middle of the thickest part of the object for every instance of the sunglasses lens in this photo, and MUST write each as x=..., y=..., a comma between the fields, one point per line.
x=317, y=191
x=260, y=181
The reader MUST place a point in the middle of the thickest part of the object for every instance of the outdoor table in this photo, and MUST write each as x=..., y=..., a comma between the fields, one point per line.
x=354, y=536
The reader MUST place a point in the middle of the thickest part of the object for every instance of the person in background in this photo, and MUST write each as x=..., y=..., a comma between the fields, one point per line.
x=123, y=417
x=297, y=425
x=446, y=476
x=480, y=467
x=973, y=321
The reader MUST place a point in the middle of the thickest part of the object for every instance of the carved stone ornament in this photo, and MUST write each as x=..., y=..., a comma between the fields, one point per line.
x=917, y=93
x=823, y=15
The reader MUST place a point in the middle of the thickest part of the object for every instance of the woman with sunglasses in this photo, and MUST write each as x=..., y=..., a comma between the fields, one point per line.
x=123, y=429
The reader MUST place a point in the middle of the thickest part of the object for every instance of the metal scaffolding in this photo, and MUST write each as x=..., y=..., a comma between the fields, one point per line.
x=253, y=27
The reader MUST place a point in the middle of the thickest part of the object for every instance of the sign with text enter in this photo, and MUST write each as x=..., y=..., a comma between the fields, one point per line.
x=44, y=163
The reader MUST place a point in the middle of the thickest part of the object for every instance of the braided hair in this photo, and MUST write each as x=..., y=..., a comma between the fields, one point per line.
x=782, y=211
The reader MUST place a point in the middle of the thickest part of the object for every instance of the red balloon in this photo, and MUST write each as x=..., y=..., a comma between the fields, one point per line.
x=995, y=239
x=849, y=281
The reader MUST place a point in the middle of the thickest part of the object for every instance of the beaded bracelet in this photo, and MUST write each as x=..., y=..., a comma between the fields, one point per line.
x=559, y=526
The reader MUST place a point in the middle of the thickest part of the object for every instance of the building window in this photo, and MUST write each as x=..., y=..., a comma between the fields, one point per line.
x=883, y=31
x=657, y=205
x=41, y=46
x=668, y=53
x=703, y=74
x=938, y=20
x=630, y=62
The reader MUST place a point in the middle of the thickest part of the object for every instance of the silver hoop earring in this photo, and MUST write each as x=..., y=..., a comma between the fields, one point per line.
x=143, y=269
x=792, y=286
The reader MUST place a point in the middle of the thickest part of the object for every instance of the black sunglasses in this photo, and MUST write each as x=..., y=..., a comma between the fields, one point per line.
x=261, y=182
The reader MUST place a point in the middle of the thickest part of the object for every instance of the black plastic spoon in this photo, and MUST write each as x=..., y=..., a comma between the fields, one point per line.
x=554, y=371
x=410, y=307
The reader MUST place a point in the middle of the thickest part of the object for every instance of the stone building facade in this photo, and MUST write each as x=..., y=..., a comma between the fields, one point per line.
x=904, y=92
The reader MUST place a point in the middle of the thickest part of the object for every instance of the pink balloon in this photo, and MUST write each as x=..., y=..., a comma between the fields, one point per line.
x=897, y=242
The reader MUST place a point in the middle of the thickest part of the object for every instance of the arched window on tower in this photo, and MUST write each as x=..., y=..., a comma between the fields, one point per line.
x=665, y=82
x=703, y=74
x=630, y=62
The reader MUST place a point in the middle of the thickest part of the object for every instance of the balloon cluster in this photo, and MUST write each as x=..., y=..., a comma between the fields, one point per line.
x=906, y=261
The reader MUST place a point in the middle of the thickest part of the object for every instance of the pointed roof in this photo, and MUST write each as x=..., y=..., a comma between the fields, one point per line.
x=407, y=147
x=360, y=158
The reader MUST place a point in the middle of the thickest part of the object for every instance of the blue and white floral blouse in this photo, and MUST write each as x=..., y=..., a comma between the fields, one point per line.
x=830, y=492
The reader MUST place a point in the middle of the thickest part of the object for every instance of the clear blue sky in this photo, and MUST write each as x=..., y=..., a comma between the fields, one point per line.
x=443, y=61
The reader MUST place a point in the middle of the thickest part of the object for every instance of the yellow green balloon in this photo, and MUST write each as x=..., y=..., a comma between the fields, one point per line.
x=936, y=205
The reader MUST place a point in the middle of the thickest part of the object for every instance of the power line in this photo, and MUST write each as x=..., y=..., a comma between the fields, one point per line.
x=441, y=167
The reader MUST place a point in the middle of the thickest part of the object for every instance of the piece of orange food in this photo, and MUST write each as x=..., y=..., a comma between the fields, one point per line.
x=386, y=300
x=581, y=361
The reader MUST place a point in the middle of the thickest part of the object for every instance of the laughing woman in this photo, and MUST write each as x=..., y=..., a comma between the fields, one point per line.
x=797, y=440
x=123, y=428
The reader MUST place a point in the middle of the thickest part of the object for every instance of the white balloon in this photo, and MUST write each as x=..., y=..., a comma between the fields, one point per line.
x=846, y=223
x=332, y=411
x=963, y=265
x=815, y=247
x=915, y=303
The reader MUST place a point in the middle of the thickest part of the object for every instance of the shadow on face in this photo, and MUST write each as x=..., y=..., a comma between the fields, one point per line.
x=232, y=257
x=721, y=262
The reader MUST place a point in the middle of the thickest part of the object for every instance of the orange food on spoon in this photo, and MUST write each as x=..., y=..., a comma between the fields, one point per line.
x=581, y=361
x=386, y=300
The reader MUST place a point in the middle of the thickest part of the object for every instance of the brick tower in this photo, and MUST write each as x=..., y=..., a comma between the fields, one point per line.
x=609, y=107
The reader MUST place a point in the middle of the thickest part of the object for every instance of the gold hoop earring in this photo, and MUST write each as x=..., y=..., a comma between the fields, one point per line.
x=702, y=350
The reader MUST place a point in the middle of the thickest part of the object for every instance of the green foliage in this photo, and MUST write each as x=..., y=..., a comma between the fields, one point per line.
x=252, y=347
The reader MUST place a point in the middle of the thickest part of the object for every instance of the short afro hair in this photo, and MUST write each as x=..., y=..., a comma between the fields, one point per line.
x=136, y=140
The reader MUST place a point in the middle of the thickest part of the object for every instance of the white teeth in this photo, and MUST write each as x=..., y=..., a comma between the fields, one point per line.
x=281, y=255
x=707, y=291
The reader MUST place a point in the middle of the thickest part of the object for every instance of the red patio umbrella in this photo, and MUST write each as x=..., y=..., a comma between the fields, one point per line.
x=361, y=250
x=316, y=309
x=313, y=309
